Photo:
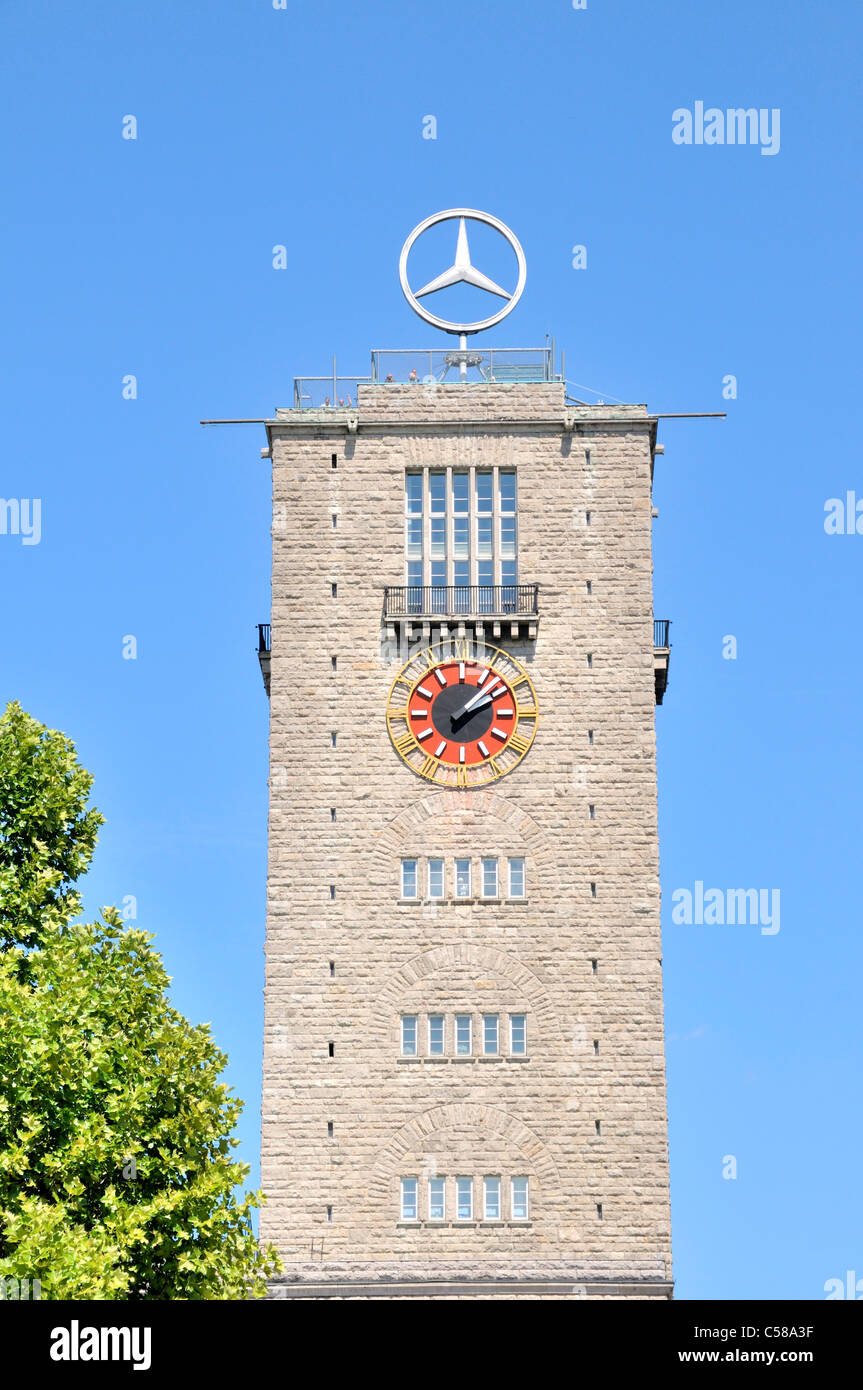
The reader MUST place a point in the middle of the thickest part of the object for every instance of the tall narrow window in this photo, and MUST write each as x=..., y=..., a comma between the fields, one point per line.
x=516, y=878
x=520, y=1209
x=491, y=1198
x=490, y=1035
x=414, y=540
x=436, y=1035
x=462, y=878
x=437, y=539
x=461, y=555
x=508, y=552
x=409, y=1035
x=437, y=1199
x=489, y=878
x=463, y=1035
x=464, y=1198
x=409, y=878
x=436, y=883
x=517, y=1035
x=409, y=1199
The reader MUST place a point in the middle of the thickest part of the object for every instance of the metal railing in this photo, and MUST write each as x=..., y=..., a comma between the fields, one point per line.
x=429, y=366
x=263, y=637
x=327, y=392
x=454, y=600
x=660, y=632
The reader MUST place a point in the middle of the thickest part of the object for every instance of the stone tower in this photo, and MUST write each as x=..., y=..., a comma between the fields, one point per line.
x=464, y=1086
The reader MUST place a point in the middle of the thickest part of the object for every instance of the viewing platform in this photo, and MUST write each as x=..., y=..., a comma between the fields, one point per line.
x=429, y=367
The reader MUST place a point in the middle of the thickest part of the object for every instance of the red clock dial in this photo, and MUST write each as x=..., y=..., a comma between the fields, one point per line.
x=462, y=713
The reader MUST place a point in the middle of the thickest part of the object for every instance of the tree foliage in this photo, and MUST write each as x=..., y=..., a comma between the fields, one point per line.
x=47, y=835
x=116, y=1174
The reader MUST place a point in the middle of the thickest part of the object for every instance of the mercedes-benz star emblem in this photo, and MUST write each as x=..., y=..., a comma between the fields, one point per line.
x=462, y=271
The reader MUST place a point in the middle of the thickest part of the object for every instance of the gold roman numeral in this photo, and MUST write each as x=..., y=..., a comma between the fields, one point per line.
x=429, y=768
x=529, y=711
x=461, y=775
x=519, y=744
x=496, y=767
x=404, y=744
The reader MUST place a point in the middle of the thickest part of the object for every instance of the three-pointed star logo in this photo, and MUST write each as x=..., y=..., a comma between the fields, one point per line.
x=461, y=271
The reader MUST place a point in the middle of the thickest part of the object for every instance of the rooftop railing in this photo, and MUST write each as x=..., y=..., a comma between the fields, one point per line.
x=427, y=367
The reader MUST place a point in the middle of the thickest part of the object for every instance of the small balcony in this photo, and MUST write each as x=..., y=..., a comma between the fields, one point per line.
x=264, y=653
x=506, y=610
x=661, y=656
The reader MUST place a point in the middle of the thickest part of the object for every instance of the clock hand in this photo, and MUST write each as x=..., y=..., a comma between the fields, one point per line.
x=481, y=698
x=457, y=717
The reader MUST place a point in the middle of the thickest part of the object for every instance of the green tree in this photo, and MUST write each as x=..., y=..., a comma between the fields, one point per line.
x=47, y=835
x=116, y=1174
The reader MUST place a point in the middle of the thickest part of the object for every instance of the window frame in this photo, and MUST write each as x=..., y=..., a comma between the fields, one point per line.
x=405, y=1019
x=461, y=1179
x=517, y=859
x=403, y=1200
x=486, y=1019
x=442, y=1181
x=416, y=879
x=431, y=1050
x=467, y=1018
x=457, y=873
x=512, y=1202
x=435, y=860
x=487, y=860
x=486, y=1184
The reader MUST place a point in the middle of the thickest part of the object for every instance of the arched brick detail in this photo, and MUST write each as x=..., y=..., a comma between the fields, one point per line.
x=460, y=953
x=419, y=1133
x=415, y=828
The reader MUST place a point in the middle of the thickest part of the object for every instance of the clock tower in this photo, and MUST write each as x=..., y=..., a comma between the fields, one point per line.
x=464, y=1081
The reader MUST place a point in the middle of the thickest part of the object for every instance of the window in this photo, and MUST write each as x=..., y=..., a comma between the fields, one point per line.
x=436, y=881
x=519, y=1199
x=436, y=1035
x=489, y=878
x=491, y=1198
x=490, y=1032
x=414, y=538
x=518, y=1035
x=409, y=878
x=409, y=1035
x=457, y=536
x=516, y=878
x=437, y=1199
x=409, y=1199
x=464, y=1198
x=463, y=1035
x=462, y=878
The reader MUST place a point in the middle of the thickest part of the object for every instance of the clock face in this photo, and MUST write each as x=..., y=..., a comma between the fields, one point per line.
x=462, y=714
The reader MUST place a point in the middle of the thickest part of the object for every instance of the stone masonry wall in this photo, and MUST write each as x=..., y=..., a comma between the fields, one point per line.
x=395, y=1117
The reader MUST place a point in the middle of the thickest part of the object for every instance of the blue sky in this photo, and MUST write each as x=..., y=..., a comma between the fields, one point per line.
x=153, y=257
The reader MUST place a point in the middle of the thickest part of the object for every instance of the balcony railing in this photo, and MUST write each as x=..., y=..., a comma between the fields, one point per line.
x=264, y=653
x=461, y=600
x=661, y=656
